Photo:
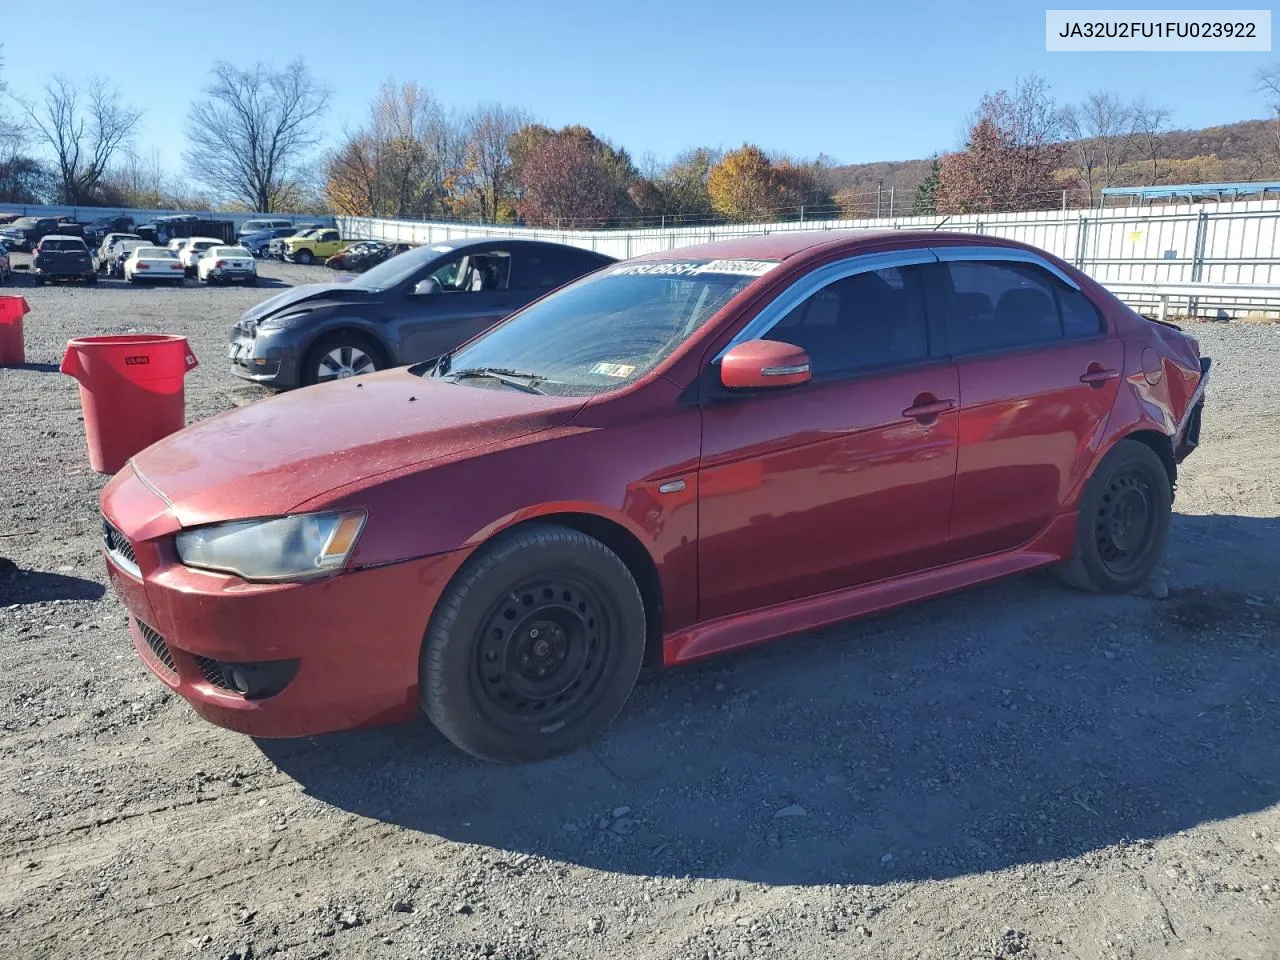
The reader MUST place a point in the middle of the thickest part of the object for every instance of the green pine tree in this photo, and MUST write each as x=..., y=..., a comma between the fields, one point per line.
x=927, y=190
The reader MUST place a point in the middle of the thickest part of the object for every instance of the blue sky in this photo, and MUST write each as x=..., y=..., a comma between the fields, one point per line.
x=858, y=81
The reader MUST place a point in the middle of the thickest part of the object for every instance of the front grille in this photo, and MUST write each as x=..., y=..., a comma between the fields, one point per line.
x=158, y=647
x=119, y=547
x=213, y=673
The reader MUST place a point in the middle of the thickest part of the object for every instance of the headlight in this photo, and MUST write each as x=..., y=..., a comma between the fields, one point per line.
x=284, y=319
x=287, y=548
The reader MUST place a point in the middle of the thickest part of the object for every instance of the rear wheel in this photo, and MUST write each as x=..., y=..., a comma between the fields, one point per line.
x=1123, y=521
x=535, y=646
x=339, y=356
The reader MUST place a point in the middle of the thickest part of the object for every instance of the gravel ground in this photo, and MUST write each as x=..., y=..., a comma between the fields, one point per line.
x=1017, y=771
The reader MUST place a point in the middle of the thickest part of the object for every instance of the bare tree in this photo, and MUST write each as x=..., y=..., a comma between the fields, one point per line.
x=1150, y=123
x=83, y=128
x=488, y=169
x=248, y=140
x=1103, y=137
x=1267, y=82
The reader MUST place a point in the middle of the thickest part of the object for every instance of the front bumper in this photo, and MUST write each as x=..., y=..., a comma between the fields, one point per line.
x=264, y=358
x=345, y=649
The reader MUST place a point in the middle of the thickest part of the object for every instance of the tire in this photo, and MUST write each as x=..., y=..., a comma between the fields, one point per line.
x=336, y=346
x=304, y=256
x=548, y=579
x=1123, y=522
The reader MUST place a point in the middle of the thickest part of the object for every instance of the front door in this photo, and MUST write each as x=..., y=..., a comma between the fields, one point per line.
x=471, y=294
x=842, y=481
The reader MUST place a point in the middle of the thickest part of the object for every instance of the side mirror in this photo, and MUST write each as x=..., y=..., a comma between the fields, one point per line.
x=764, y=365
x=427, y=287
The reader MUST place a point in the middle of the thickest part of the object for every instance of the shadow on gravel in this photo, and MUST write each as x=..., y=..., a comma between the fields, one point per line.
x=35, y=367
x=32, y=586
x=1013, y=724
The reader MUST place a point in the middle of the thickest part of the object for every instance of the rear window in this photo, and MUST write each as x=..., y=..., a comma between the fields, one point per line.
x=63, y=244
x=156, y=253
x=231, y=252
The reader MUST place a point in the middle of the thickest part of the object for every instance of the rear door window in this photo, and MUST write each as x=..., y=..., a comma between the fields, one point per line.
x=995, y=305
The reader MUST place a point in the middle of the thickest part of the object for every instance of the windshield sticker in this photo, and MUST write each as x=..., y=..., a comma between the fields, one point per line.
x=742, y=268
x=614, y=369
x=689, y=268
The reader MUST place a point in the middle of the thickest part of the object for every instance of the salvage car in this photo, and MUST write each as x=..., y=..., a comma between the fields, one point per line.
x=687, y=453
x=25, y=232
x=147, y=264
x=227, y=265
x=193, y=249
x=113, y=266
x=6, y=268
x=413, y=307
x=107, y=249
x=312, y=246
x=58, y=257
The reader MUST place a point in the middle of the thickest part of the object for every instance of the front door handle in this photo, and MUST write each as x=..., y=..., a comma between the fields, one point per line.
x=927, y=407
x=1096, y=376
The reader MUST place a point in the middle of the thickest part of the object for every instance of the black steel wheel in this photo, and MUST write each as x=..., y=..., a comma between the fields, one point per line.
x=1123, y=521
x=542, y=652
x=535, y=646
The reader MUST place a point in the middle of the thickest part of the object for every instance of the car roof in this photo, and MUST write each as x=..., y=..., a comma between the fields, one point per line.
x=203, y=240
x=61, y=236
x=788, y=243
x=463, y=244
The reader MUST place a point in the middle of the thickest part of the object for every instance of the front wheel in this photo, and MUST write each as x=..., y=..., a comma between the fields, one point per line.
x=1123, y=521
x=304, y=256
x=534, y=647
x=339, y=356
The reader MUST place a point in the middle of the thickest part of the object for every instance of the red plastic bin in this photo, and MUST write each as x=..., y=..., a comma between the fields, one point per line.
x=12, y=351
x=131, y=392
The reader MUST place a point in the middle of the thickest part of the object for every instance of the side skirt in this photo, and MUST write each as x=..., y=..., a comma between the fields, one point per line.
x=811, y=613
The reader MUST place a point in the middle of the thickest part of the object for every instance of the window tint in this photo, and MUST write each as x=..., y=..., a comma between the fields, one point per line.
x=474, y=273
x=871, y=319
x=329, y=236
x=994, y=305
x=547, y=268
x=1080, y=318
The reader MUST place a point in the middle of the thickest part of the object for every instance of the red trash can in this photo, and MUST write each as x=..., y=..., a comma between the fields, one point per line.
x=131, y=392
x=12, y=310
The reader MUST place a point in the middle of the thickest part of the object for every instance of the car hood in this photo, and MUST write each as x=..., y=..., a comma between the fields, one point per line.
x=304, y=294
x=269, y=457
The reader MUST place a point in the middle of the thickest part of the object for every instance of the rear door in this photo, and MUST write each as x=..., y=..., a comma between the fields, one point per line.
x=1039, y=372
x=474, y=294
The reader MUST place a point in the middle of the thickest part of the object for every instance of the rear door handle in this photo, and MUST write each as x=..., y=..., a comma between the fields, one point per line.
x=1096, y=377
x=924, y=411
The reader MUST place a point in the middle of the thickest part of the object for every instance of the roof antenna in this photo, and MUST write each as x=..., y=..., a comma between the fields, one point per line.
x=939, y=225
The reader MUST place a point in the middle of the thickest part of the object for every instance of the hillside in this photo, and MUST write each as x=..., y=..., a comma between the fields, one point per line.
x=1246, y=150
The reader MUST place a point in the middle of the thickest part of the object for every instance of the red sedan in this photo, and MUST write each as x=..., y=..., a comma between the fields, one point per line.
x=678, y=455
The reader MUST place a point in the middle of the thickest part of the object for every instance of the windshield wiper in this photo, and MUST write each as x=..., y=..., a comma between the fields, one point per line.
x=512, y=378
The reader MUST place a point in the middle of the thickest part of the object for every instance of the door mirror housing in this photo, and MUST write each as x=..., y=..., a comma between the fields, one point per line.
x=426, y=288
x=764, y=365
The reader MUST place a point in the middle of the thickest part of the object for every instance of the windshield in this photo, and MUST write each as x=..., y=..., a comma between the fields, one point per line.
x=395, y=270
x=612, y=327
x=24, y=223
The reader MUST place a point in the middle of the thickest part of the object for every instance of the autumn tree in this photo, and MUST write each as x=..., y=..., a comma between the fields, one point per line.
x=398, y=164
x=250, y=138
x=1011, y=155
x=744, y=185
x=567, y=183
x=1103, y=137
x=803, y=183
x=83, y=126
x=683, y=184
x=488, y=173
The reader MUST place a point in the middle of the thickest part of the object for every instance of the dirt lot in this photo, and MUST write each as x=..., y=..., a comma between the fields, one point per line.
x=1018, y=771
